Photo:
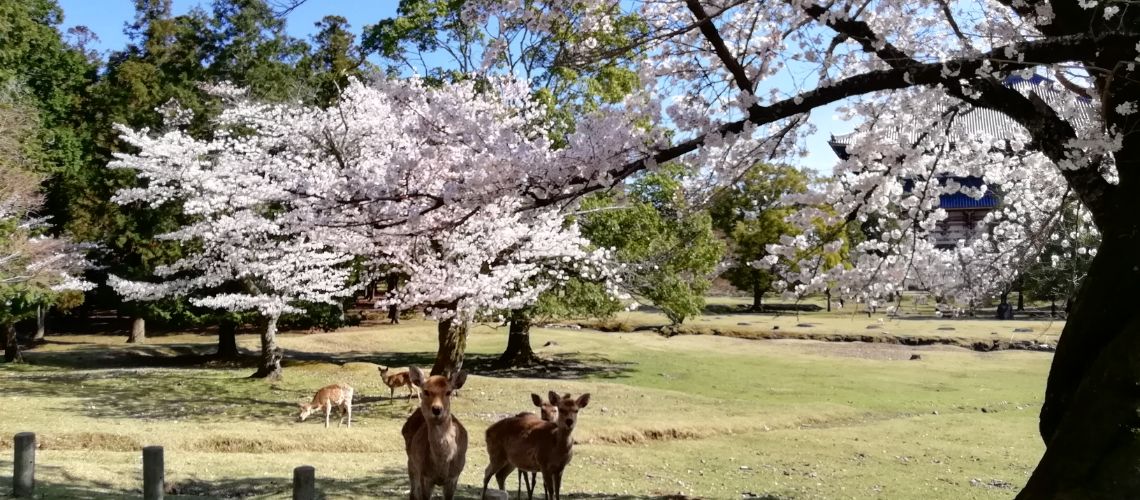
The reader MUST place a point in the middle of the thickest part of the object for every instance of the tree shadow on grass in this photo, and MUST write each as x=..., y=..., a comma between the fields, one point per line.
x=389, y=482
x=563, y=366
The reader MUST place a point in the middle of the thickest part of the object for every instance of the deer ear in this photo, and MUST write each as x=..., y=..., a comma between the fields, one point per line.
x=553, y=398
x=536, y=399
x=458, y=380
x=583, y=400
x=416, y=376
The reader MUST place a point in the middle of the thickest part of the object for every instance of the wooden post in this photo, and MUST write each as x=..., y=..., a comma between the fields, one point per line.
x=305, y=483
x=154, y=475
x=24, y=475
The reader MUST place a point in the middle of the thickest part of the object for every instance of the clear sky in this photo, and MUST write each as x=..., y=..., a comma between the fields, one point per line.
x=107, y=19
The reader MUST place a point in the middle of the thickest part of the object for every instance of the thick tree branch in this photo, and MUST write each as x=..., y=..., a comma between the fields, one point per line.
x=708, y=29
x=1037, y=52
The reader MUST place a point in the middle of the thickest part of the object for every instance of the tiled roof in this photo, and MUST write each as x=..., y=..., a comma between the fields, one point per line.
x=962, y=201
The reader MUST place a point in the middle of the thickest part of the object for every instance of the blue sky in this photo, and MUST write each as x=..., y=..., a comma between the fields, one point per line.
x=108, y=17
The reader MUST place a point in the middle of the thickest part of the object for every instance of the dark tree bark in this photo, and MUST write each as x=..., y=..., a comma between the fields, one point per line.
x=1090, y=419
x=519, y=351
x=11, y=344
x=1004, y=310
x=452, y=346
x=41, y=323
x=138, y=330
x=1021, y=295
x=227, y=339
x=828, y=294
x=269, y=364
x=757, y=293
x=392, y=281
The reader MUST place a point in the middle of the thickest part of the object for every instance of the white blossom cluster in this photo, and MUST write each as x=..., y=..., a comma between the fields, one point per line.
x=433, y=182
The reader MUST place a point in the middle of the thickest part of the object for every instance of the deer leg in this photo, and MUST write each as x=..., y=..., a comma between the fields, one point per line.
x=487, y=473
x=391, y=392
x=502, y=475
x=558, y=485
x=449, y=488
x=348, y=409
x=328, y=414
x=548, y=485
x=530, y=485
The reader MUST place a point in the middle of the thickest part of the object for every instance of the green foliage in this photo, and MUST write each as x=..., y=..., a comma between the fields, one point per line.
x=35, y=58
x=576, y=298
x=1063, y=263
x=749, y=214
x=671, y=249
x=334, y=59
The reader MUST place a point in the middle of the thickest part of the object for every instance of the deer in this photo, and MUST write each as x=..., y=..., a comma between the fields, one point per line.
x=395, y=381
x=532, y=444
x=434, y=439
x=326, y=398
x=548, y=413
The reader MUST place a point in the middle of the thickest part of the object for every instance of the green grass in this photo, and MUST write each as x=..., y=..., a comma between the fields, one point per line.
x=913, y=321
x=702, y=416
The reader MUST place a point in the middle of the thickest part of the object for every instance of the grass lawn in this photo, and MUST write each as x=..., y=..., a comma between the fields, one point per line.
x=699, y=416
x=913, y=321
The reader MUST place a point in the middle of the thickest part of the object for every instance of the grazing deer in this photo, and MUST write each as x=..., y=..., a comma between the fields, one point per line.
x=336, y=395
x=548, y=413
x=529, y=443
x=395, y=381
x=436, y=442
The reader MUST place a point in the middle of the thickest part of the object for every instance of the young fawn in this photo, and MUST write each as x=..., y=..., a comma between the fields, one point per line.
x=529, y=443
x=436, y=442
x=548, y=413
x=395, y=381
x=336, y=395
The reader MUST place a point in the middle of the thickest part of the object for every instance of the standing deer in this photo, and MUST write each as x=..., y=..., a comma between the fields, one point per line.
x=395, y=381
x=548, y=413
x=529, y=443
x=434, y=439
x=336, y=395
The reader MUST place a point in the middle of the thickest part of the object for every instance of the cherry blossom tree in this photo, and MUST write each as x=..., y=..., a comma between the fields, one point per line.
x=499, y=259
x=242, y=251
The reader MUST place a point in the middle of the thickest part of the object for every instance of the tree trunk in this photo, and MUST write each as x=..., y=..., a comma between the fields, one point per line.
x=227, y=339
x=519, y=352
x=828, y=294
x=452, y=345
x=1004, y=310
x=138, y=330
x=269, y=364
x=1090, y=419
x=11, y=344
x=41, y=323
x=1020, y=296
x=757, y=294
x=392, y=281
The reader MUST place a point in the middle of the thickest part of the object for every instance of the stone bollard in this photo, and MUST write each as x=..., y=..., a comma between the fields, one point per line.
x=305, y=483
x=24, y=467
